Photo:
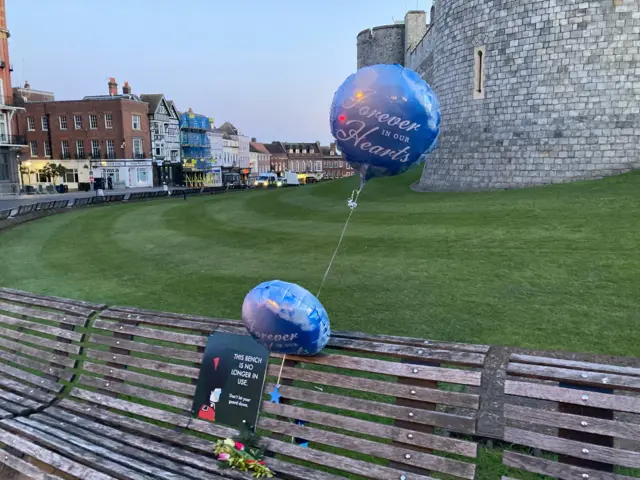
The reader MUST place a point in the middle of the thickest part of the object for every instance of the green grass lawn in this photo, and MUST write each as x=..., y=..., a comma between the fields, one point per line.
x=555, y=267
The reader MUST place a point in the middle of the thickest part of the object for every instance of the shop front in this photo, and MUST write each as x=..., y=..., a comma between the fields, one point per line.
x=166, y=172
x=123, y=173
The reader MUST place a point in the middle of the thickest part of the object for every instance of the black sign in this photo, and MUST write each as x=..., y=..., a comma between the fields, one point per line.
x=229, y=389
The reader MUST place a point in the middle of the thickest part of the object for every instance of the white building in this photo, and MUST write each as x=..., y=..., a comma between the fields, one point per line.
x=238, y=145
x=260, y=158
x=217, y=147
x=164, y=129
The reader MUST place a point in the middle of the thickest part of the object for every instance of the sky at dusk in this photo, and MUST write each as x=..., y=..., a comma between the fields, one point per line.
x=269, y=67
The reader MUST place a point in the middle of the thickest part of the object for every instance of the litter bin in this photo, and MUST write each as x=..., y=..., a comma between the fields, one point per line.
x=98, y=183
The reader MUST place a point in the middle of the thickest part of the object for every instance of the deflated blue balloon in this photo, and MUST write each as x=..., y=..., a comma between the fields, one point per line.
x=385, y=116
x=286, y=318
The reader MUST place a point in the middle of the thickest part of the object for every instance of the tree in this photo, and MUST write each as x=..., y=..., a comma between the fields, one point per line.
x=53, y=171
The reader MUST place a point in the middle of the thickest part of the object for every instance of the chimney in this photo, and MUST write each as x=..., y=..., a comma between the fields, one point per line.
x=113, y=86
x=253, y=139
x=126, y=89
x=26, y=85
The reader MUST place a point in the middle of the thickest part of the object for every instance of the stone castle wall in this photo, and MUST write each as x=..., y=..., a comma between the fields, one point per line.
x=381, y=45
x=561, y=91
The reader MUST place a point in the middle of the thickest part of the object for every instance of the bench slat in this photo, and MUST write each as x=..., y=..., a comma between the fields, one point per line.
x=406, y=351
x=454, y=399
x=144, y=393
x=43, y=315
x=203, y=325
x=427, y=440
x=561, y=362
x=42, y=367
x=129, y=376
x=428, y=417
x=40, y=327
x=25, y=468
x=43, y=342
x=572, y=448
x=573, y=422
x=181, y=338
x=368, y=447
x=155, y=365
x=161, y=351
x=184, y=440
x=55, y=305
x=622, y=403
x=70, y=447
x=555, y=469
x=26, y=390
x=130, y=407
x=137, y=459
x=598, y=379
x=41, y=382
x=406, y=370
x=82, y=303
x=34, y=352
x=374, y=337
x=50, y=458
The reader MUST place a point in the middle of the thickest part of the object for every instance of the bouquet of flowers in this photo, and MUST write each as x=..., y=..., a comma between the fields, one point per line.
x=247, y=458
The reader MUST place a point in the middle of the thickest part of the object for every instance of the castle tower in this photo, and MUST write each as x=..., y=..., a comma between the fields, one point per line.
x=530, y=94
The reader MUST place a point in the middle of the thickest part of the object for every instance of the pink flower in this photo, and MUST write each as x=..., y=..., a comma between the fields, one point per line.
x=251, y=461
x=239, y=446
x=223, y=457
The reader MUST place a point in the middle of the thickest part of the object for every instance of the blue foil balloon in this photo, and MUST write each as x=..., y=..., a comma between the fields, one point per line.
x=385, y=116
x=286, y=318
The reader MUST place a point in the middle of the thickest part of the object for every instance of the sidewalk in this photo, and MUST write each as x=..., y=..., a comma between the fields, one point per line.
x=13, y=201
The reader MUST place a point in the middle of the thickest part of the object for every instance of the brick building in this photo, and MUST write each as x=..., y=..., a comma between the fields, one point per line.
x=11, y=142
x=279, y=158
x=94, y=138
x=305, y=159
x=333, y=164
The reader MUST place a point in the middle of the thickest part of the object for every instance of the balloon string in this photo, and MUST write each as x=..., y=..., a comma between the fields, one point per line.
x=284, y=357
x=353, y=203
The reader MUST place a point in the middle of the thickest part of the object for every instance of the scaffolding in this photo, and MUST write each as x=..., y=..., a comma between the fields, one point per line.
x=193, y=136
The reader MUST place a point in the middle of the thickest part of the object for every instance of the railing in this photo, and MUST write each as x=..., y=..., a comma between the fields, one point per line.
x=80, y=156
x=138, y=156
x=9, y=188
x=111, y=155
x=13, y=139
x=65, y=156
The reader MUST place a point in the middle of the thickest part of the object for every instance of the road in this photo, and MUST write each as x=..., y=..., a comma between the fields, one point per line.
x=14, y=201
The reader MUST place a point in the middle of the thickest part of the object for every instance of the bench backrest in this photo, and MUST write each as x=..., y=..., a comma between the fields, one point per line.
x=378, y=407
x=584, y=418
x=37, y=348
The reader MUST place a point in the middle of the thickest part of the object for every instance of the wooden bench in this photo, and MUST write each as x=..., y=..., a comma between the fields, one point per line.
x=374, y=407
x=582, y=419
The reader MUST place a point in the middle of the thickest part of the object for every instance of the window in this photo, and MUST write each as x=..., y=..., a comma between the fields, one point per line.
x=42, y=178
x=45, y=123
x=135, y=122
x=478, y=79
x=318, y=166
x=111, y=149
x=4, y=166
x=77, y=122
x=137, y=147
x=312, y=150
x=108, y=120
x=63, y=122
x=95, y=148
x=79, y=148
x=340, y=164
x=291, y=150
x=33, y=147
x=332, y=152
x=71, y=176
x=174, y=156
x=93, y=122
x=65, y=149
x=47, y=148
x=143, y=175
x=31, y=124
